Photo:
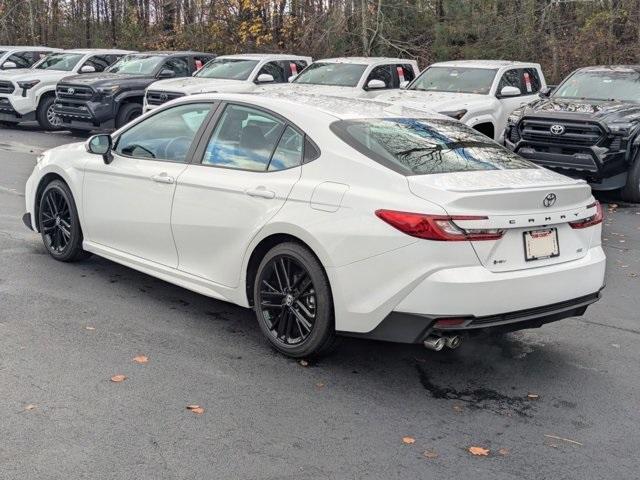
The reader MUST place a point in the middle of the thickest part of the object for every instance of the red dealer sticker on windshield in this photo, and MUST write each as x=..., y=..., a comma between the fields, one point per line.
x=527, y=82
x=198, y=64
x=294, y=68
x=400, y=74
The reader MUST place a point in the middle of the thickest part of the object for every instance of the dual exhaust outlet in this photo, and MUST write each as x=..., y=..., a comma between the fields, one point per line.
x=437, y=343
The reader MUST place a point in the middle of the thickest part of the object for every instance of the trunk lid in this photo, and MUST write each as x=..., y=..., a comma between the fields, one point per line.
x=516, y=201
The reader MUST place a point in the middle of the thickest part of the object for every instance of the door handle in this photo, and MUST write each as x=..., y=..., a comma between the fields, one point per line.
x=261, y=192
x=162, y=178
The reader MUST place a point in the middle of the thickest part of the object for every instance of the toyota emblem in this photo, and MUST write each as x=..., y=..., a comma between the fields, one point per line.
x=557, y=129
x=164, y=97
x=549, y=200
x=71, y=91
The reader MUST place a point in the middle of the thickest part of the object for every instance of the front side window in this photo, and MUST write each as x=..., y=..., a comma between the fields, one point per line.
x=621, y=84
x=334, y=74
x=275, y=69
x=137, y=64
x=454, y=79
x=245, y=138
x=413, y=146
x=228, y=68
x=23, y=59
x=510, y=78
x=64, y=62
x=178, y=65
x=383, y=73
x=168, y=135
x=99, y=62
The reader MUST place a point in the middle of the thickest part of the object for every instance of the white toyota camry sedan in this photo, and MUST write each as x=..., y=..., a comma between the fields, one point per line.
x=327, y=216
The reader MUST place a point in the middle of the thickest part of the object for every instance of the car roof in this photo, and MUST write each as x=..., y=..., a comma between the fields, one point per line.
x=28, y=48
x=97, y=50
x=265, y=56
x=483, y=63
x=171, y=52
x=343, y=108
x=611, y=68
x=363, y=60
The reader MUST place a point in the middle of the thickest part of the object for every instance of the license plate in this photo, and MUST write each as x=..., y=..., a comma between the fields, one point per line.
x=540, y=244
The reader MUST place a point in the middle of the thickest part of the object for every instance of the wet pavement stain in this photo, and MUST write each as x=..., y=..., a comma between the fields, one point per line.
x=478, y=398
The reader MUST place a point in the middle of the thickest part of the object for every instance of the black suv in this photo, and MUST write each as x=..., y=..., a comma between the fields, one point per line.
x=108, y=100
x=588, y=127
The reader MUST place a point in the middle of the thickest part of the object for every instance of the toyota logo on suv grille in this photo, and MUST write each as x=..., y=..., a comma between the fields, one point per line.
x=549, y=200
x=557, y=129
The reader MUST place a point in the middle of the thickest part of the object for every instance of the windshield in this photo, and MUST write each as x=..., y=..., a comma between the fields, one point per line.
x=601, y=85
x=64, y=62
x=458, y=80
x=335, y=74
x=136, y=64
x=414, y=146
x=229, y=68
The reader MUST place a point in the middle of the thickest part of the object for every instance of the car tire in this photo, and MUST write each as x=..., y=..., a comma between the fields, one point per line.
x=59, y=223
x=631, y=191
x=293, y=302
x=128, y=112
x=45, y=115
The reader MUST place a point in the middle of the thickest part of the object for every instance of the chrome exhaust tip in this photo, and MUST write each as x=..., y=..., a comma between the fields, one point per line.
x=435, y=343
x=453, y=341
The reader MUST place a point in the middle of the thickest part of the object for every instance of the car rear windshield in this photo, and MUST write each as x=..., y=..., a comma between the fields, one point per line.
x=621, y=85
x=229, y=68
x=334, y=74
x=455, y=79
x=415, y=146
x=64, y=62
x=137, y=64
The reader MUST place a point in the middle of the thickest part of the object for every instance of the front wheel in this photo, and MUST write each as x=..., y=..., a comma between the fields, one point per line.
x=293, y=302
x=631, y=191
x=45, y=115
x=59, y=224
x=128, y=112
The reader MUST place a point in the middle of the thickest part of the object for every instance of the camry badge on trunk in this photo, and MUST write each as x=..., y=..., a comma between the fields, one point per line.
x=557, y=129
x=549, y=200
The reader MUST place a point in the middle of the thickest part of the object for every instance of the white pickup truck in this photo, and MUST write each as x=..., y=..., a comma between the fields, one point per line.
x=479, y=93
x=28, y=94
x=13, y=57
x=353, y=77
x=229, y=73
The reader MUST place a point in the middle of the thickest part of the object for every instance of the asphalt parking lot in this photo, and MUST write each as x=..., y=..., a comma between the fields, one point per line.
x=561, y=402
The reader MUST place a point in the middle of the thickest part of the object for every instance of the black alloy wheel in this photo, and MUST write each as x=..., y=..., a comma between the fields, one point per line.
x=59, y=224
x=293, y=302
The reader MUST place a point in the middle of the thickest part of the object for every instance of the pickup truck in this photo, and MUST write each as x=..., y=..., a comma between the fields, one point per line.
x=229, y=73
x=111, y=99
x=588, y=127
x=28, y=94
x=13, y=57
x=479, y=93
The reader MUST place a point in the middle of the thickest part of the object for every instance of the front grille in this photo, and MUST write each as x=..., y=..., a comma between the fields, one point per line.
x=539, y=130
x=75, y=92
x=6, y=87
x=156, y=97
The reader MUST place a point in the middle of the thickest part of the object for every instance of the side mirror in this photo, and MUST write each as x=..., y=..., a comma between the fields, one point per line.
x=8, y=65
x=87, y=69
x=101, y=145
x=545, y=92
x=510, y=91
x=376, y=84
x=166, y=73
x=404, y=84
x=292, y=78
x=265, y=78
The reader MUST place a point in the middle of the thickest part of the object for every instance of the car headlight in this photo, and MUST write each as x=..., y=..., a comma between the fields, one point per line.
x=28, y=85
x=622, y=128
x=108, y=91
x=514, y=117
x=457, y=114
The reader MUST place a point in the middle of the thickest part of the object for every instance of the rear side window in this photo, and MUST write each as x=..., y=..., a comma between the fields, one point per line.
x=288, y=153
x=405, y=73
x=296, y=66
x=413, y=146
x=530, y=81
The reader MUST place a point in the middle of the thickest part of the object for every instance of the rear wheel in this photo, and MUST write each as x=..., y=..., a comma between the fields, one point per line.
x=45, y=115
x=59, y=224
x=128, y=112
x=631, y=191
x=293, y=302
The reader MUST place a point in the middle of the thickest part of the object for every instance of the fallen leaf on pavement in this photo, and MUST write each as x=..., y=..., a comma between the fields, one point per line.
x=118, y=378
x=457, y=408
x=633, y=274
x=30, y=407
x=430, y=454
x=89, y=328
x=141, y=359
x=197, y=409
x=479, y=451
x=503, y=451
x=319, y=385
x=533, y=396
x=304, y=363
x=408, y=440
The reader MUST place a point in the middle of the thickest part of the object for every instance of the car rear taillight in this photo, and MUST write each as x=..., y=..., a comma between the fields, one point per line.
x=437, y=227
x=594, y=219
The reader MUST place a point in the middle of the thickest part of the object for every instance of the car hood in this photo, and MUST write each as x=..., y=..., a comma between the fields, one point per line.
x=333, y=91
x=193, y=85
x=105, y=79
x=25, y=74
x=438, y=101
x=605, y=111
